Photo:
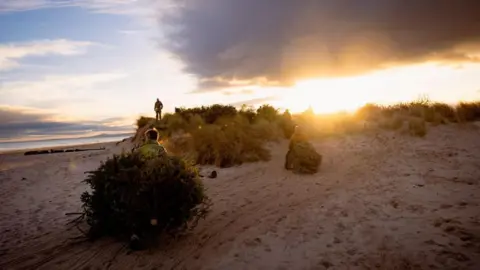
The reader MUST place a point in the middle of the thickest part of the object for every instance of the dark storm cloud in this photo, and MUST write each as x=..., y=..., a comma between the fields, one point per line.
x=18, y=124
x=279, y=41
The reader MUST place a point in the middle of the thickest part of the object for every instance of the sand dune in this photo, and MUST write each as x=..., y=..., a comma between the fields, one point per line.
x=385, y=202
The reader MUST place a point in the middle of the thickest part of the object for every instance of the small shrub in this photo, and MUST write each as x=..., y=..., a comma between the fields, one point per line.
x=417, y=110
x=433, y=113
x=368, y=112
x=203, y=141
x=265, y=130
x=179, y=144
x=248, y=112
x=230, y=142
x=445, y=110
x=210, y=114
x=429, y=114
x=468, y=111
x=142, y=121
x=287, y=125
x=417, y=127
x=132, y=195
x=388, y=111
x=395, y=122
x=195, y=122
x=438, y=119
x=267, y=112
x=349, y=125
x=216, y=111
x=174, y=122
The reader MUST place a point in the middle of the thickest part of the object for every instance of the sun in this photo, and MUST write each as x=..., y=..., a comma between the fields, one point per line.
x=325, y=96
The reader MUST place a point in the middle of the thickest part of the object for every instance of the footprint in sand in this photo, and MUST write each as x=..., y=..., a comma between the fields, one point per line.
x=253, y=242
x=445, y=255
x=336, y=240
x=469, y=239
x=441, y=221
x=462, y=204
x=416, y=209
x=446, y=206
x=394, y=203
x=461, y=233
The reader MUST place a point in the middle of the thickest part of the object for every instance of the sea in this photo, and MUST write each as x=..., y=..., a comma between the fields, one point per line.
x=26, y=145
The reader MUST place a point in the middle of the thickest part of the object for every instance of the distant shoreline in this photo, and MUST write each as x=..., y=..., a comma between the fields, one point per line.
x=78, y=145
x=128, y=134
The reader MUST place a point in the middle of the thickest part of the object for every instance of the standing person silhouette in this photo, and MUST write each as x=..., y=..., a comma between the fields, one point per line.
x=158, y=109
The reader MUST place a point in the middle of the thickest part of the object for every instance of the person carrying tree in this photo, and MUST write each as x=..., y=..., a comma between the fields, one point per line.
x=158, y=109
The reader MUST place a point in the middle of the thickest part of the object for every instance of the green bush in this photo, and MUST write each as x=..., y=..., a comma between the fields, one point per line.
x=132, y=195
x=203, y=143
x=265, y=130
x=229, y=142
x=210, y=114
x=172, y=123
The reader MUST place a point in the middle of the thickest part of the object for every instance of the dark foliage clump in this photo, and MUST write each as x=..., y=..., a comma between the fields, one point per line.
x=267, y=112
x=248, y=113
x=210, y=114
x=143, y=197
x=468, y=111
x=302, y=158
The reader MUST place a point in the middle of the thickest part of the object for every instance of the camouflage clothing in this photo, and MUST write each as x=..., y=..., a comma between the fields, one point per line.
x=158, y=109
x=152, y=149
x=158, y=105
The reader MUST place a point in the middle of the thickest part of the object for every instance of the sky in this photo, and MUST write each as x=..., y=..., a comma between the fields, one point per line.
x=84, y=67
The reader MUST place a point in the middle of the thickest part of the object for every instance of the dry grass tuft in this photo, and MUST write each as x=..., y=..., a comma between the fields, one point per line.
x=417, y=127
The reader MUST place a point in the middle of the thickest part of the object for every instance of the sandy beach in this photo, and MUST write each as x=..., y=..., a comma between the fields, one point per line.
x=379, y=202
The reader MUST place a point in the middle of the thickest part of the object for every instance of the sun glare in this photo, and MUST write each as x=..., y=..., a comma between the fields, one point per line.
x=336, y=96
x=401, y=84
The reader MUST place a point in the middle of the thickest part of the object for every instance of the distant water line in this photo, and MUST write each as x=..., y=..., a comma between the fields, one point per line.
x=26, y=145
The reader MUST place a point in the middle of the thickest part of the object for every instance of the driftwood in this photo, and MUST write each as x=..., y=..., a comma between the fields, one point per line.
x=55, y=151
